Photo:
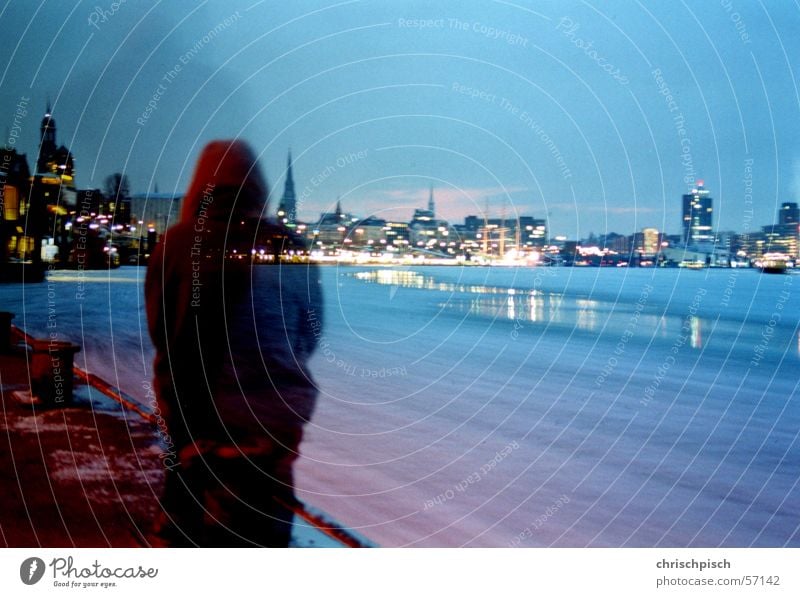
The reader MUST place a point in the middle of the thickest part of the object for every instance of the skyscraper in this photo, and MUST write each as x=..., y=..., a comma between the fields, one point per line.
x=287, y=208
x=789, y=214
x=697, y=216
x=784, y=237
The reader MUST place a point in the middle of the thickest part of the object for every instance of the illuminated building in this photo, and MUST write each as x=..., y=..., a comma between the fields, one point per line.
x=53, y=198
x=331, y=231
x=647, y=242
x=532, y=231
x=396, y=234
x=369, y=232
x=16, y=244
x=783, y=236
x=697, y=216
x=427, y=232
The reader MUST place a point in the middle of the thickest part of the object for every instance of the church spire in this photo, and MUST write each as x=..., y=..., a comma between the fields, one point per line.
x=287, y=209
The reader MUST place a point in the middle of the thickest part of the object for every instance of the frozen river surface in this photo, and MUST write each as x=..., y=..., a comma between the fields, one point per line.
x=524, y=407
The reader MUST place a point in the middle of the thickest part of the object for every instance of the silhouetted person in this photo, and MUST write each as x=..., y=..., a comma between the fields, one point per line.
x=232, y=339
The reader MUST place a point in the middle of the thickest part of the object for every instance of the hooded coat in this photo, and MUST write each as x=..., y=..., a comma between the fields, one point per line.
x=232, y=338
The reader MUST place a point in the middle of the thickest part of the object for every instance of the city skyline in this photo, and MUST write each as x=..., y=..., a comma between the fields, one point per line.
x=55, y=163
x=592, y=120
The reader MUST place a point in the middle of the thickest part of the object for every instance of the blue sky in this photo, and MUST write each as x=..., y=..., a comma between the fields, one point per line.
x=550, y=109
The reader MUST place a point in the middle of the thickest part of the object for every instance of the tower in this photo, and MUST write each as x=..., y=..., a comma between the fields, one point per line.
x=697, y=216
x=47, y=145
x=431, y=207
x=287, y=209
x=53, y=160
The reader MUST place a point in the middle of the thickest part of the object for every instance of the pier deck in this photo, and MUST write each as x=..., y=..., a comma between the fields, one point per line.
x=88, y=474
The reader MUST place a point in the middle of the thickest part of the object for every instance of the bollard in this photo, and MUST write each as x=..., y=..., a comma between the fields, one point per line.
x=5, y=330
x=51, y=371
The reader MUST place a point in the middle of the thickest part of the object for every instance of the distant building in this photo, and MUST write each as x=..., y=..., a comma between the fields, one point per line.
x=96, y=204
x=53, y=198
x=783, y=236
x=647, y=242
x=651, y=241
x=490, y=235
x=54, y=159
x=426, y=231
x=789, y=213
x=287, y=208
x=619, y=243
x=369, y=232
x=331, y=231
x=397, y=236
x=155, y=211
x=473, y=223
x=698, y=216
x=16, y=243
x=532, y=231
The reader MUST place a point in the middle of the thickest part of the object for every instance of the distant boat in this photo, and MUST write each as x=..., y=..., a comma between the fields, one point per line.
x=692, y=264
x=773, y=263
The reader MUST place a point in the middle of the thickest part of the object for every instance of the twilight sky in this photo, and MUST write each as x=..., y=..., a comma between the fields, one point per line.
x=553, y=109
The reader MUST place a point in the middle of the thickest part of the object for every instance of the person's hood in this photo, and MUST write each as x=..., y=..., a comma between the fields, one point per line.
x=227, y=178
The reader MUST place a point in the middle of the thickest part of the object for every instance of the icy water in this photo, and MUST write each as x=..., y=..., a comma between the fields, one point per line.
x=522, y=407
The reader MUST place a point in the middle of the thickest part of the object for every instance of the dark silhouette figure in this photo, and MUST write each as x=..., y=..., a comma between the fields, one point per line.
x=232, y=339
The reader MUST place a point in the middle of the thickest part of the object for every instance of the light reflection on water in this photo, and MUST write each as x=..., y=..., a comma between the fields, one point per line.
x=411, y=279
x=535, y=306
